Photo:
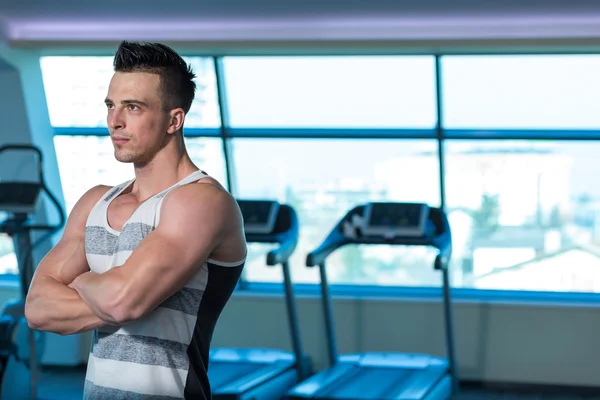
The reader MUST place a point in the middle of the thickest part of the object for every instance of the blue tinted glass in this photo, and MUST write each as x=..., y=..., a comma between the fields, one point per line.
x=322, y=180
x=544, y=92
x=331, y=92
x=524, y=215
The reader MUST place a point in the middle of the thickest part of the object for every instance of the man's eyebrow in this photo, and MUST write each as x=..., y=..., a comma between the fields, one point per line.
x=127, y=101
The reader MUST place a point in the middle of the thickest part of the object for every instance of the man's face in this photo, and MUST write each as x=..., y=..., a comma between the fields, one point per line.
x=137, y=124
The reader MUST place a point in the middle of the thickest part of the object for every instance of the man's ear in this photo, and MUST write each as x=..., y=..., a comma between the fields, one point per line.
x=177, y=116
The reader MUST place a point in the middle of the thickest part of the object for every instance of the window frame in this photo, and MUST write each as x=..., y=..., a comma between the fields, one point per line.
x=225, y=132
x=74, y=131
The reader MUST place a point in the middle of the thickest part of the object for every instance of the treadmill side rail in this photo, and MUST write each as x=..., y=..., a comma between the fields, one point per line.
x=251, y=355
x=422, y=384
x=310, y=387
x=399, y=360
x=255, y=378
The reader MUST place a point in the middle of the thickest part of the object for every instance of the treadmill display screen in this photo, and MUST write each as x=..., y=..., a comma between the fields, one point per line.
x=395, y=219
x=259, y=215
x=19, y=197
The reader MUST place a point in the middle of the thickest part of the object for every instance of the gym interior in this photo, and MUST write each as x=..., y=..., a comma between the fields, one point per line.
x=417, y=179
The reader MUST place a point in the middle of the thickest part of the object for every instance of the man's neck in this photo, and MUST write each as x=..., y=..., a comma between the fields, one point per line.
x=161, y=173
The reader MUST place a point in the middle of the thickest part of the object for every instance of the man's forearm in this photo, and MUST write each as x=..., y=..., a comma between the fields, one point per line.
x=57, y=308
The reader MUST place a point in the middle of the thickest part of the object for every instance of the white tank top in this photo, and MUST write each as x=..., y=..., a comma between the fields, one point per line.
x=165, y=354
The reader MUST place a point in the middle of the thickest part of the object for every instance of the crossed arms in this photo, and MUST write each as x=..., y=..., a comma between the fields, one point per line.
x=65, y=297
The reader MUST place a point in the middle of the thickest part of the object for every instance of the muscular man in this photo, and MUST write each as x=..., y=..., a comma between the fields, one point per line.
x=148, y=264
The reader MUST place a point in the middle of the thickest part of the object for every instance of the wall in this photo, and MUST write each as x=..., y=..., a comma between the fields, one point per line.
x=543, y=344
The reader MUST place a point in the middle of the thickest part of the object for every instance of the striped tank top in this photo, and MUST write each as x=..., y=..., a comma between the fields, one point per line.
x=165, y=354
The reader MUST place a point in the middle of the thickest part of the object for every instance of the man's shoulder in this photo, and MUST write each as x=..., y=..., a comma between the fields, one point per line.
x=204, y=196
x=98, y=191
x=93, y=195
x=81, y=210
x=200, y=210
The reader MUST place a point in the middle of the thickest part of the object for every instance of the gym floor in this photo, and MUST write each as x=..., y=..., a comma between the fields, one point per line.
x=67, y=384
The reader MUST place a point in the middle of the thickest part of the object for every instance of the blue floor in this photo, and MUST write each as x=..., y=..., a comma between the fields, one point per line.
x=62, y=384
x=67, y=384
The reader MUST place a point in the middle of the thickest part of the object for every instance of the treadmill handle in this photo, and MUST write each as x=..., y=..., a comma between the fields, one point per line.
x=287, y=241
x=442, y=260
x=334, y=241
x=282, y=253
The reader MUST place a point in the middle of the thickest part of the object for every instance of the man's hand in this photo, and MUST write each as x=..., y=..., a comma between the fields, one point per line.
x=97, y=292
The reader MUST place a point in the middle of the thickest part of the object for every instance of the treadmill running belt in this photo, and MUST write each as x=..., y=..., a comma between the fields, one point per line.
x=368, y=383
x=223, y=373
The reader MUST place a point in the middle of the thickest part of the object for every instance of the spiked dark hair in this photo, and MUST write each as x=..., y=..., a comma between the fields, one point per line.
x=176, y=77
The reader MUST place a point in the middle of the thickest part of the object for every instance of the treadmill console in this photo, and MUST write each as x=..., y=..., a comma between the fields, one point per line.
x=391, y=220
x=259, y=215
x=19, y=197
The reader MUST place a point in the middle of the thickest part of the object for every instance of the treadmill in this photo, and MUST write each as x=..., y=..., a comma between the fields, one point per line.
x=379, y=375
x=241, y=373
x=19, y=365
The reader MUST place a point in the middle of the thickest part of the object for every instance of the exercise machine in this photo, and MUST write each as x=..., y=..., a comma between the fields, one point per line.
x=19, y=365
x=238, y=373
x=379, y=375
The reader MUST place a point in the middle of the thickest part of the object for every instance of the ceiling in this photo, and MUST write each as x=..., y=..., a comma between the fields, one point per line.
x=39, y=21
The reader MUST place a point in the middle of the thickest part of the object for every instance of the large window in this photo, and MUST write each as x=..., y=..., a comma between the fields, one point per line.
x=525, y=215
x=77, y=86
x=87, y=161
x=331, y=92
x=322, y=180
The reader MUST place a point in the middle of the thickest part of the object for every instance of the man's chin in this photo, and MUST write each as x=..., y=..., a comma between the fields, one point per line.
x=124, y=158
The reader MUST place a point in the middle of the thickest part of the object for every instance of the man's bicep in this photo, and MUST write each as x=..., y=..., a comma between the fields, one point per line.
x=196, y=221
x=185, y=237
x=67, y=259
x=193, y=218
